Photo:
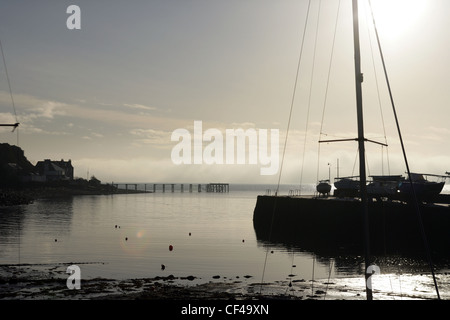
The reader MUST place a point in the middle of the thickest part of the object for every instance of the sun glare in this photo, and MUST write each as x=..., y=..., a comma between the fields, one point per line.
x=394, y=18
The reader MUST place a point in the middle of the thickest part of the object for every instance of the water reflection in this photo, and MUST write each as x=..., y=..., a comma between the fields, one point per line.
x=10, y=230
x=58, y=211
x=399, y=277
x=349, y=261
x=28, y=233
x=206, y=231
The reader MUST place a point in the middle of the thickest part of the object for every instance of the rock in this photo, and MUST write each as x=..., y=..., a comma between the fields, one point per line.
x=320, y=292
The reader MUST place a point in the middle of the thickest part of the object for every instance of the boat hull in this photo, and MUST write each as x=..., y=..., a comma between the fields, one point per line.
x=330, y=226
x=423, y=190
x=323, y=188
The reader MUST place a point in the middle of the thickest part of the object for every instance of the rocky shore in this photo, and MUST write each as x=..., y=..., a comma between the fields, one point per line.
x=48, y=282
x=42, y=289
x=14, y=197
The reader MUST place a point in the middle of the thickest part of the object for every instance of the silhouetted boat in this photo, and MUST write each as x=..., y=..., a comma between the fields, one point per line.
x=385, y=185
x=324, y=187
x=424, y=188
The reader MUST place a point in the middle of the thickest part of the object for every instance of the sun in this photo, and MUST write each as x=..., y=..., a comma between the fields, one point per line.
x=395, y=18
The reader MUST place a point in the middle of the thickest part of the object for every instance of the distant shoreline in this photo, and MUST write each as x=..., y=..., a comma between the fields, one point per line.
x=26, y=195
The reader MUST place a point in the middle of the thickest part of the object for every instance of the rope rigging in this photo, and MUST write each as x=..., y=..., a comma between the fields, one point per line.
x=342, y=138
x=379, y=104
x=327, y=85
x=287, y=134
x=16, y=124
x=321, y=133
x=416, y=204
x=310, y=94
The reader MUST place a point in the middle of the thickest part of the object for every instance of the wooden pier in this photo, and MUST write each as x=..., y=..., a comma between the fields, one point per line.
x=172, y=187
x=217, y=187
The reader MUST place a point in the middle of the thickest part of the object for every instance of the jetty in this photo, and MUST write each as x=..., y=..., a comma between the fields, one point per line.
x=329, y=226
x=174, y=187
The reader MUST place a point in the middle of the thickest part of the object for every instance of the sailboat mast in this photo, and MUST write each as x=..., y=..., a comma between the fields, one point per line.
x=362, y=166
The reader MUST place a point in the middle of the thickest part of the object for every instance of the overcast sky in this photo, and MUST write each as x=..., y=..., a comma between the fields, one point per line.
x=109, y=95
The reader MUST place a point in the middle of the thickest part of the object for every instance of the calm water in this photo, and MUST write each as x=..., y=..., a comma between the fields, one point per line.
x=211, y=234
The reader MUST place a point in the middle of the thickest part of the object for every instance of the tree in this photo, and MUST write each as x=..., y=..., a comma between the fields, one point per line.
x=94, y=181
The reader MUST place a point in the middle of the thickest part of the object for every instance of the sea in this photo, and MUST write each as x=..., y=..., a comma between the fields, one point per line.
x=203, y=235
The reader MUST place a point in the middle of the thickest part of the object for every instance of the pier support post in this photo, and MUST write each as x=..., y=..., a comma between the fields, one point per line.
x=218, y=187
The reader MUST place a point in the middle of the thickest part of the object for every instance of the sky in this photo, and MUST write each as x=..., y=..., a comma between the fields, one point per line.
x=109, y=95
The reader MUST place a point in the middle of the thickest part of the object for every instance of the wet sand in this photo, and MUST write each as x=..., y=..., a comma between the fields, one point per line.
x=48, y=282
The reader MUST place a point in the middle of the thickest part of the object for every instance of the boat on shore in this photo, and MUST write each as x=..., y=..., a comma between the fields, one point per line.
x=324, y=187
x=423, y=187
x=393, y=186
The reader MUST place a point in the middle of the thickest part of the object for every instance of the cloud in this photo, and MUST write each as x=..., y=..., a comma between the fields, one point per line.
x=151, y=136
x=33, y=107
x=97, y=135
x=35, y=130
x=7, y=118
x=440, y=130
x=243, y=125
x=48, y=109
x=123, y=118
x=154, y=170
x=139, y=106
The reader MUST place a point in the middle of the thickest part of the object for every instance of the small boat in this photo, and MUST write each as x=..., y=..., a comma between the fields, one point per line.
x=324, y=187
x=347, y=186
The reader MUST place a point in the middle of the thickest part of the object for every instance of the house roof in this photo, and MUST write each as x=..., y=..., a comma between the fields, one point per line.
x=50, y=166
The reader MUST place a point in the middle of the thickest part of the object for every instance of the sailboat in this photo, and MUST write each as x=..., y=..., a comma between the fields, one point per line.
x=382, y=216
x=424, y=188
